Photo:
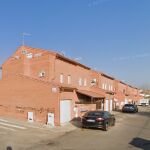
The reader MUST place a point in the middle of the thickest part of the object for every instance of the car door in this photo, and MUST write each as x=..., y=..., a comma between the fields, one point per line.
x=108, y=118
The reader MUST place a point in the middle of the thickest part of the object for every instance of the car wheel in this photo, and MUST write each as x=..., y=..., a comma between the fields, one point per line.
x=114, y=122
x=105, y=127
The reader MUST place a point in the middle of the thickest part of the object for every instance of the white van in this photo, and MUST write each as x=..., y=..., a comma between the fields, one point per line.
x=144, y=102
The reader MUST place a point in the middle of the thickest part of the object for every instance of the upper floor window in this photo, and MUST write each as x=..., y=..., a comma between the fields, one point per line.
x=61, y=78
x=93, y=82
x=103, y=86
x=111, y=88
x=85, y=82
x=80, y=82
x=69, y=79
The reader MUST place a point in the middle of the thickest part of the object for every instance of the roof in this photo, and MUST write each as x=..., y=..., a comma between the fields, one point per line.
x=105, y=75
x=58, y=56
x=90, y=94
x=71, y=61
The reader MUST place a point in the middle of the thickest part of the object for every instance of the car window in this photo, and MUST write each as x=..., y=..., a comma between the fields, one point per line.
x=107, y=114
x=94, y=114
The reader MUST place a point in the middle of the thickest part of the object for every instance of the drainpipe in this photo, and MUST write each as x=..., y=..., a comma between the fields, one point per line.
x=103, y=103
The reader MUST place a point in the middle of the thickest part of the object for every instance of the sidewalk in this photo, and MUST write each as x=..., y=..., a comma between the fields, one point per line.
x=68, y=127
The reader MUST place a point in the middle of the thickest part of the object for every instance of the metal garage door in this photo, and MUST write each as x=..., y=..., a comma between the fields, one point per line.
x=65, y=111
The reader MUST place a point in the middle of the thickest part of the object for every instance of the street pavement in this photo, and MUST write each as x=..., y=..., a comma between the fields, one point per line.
x=131, y=132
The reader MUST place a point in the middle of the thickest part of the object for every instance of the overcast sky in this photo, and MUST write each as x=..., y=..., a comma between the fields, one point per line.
x=112, y=36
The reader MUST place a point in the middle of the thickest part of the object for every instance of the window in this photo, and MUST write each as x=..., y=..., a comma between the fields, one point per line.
x=69, y=79
x=29, y=55
x=93, y=82
x=61, y=78
x=80, y=82
x=103, y=86
x=24, y=52
x=85, y=83
x=111, y=88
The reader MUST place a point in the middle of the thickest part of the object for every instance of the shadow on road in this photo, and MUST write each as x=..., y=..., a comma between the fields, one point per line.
x=9, y=148
x=76, y=122
x=141, y=143
x=144, y=114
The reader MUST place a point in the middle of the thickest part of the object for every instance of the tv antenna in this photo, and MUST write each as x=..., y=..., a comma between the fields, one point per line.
x=23, y=37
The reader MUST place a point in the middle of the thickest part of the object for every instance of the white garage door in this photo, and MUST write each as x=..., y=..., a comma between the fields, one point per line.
x=107, y=104
x=65, y=111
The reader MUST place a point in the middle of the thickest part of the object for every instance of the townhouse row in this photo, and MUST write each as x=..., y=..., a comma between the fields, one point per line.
x=47, y=87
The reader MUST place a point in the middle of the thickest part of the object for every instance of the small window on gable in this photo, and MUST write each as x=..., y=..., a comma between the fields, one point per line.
x=24, y=52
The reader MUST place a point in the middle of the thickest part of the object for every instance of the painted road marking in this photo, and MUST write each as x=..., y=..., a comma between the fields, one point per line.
x=15, y=126
x=2, y=127
x=3, y=120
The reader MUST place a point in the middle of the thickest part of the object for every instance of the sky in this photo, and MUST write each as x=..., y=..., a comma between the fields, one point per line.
x=111, y=36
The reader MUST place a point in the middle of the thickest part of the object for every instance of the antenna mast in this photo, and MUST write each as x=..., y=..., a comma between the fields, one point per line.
x=23, y=37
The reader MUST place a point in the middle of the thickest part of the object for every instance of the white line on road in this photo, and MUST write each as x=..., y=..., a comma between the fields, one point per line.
x=15, y=126
x=7, y=128
x=3, y=120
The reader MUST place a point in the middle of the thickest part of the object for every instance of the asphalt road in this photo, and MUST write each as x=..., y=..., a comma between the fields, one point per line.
x=131, y=132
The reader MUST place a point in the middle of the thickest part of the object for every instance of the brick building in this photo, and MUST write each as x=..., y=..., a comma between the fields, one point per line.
x=47, y=87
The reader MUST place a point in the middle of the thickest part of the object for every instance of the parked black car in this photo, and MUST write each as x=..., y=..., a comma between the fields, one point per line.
x=130, y=108
x=98, y=119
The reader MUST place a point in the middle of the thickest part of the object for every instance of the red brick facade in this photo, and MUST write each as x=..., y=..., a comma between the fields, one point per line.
x=36, y=80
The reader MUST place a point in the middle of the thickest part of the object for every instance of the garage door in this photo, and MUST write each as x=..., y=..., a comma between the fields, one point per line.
x=65, y=111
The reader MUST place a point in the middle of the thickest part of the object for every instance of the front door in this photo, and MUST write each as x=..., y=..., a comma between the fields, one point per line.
x=65, y=111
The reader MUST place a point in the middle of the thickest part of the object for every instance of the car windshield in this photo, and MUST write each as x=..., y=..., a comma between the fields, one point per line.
x=100, y=114
x=129, y=105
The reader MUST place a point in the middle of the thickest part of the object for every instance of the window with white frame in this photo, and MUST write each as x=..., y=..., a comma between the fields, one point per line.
x=103, y=86
x=80, y=82
x=69, y=79
x=61, y=78
x=85, y=82
x=111, y=88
